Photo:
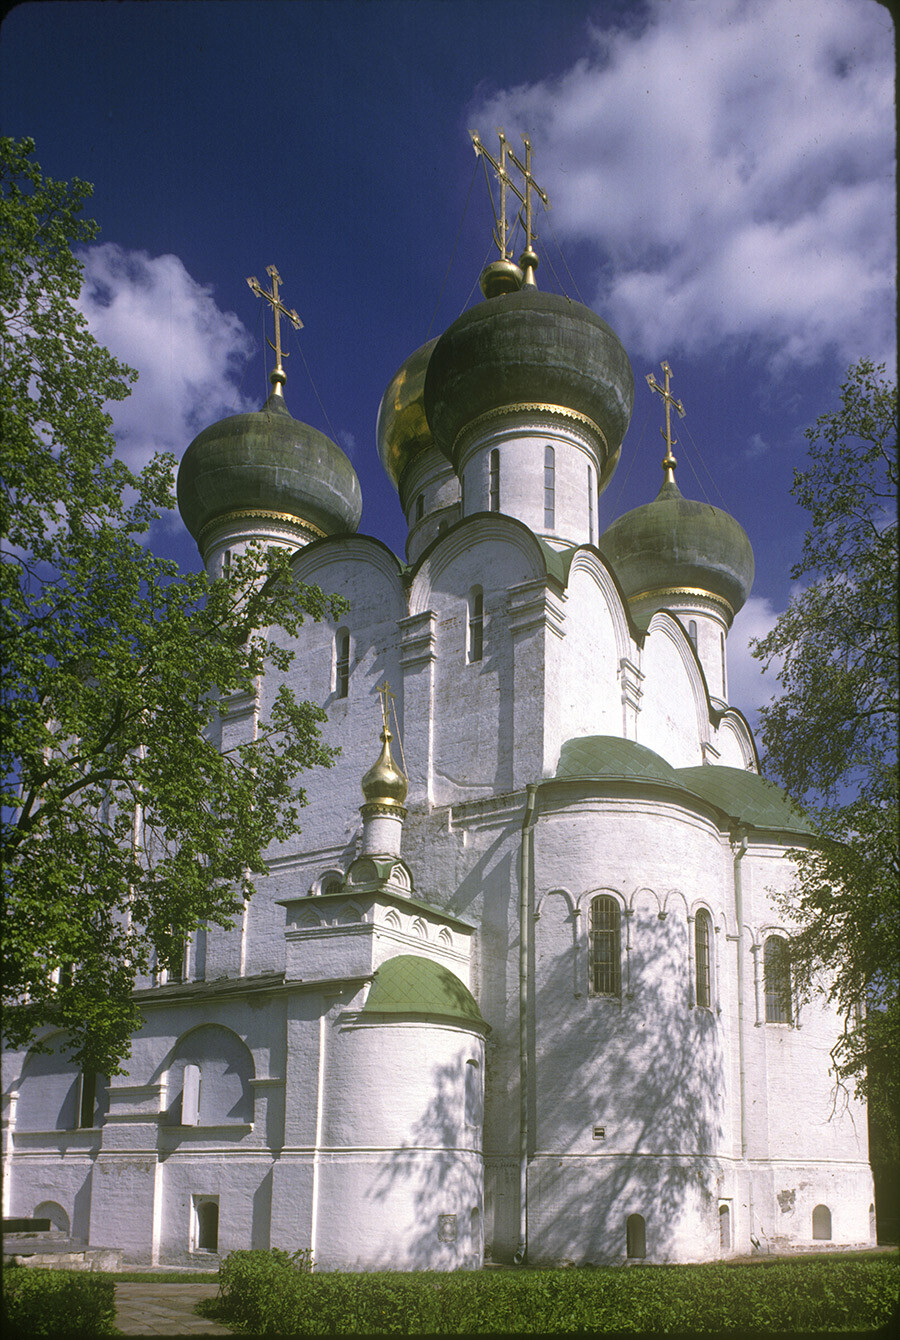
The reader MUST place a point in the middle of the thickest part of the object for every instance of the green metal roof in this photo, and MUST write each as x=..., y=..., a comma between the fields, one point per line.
x=610, y=756
x=746, y=796
x=741, y=795
x=410, y=984
x=558, y=561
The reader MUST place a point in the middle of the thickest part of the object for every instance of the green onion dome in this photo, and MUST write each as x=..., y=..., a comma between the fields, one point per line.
x=271, y=465
x=402, y=430
x=675, y=546
x=530, y=350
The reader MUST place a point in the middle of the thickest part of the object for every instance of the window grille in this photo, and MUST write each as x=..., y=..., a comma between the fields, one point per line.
x=777, y=976
x=605, y=947
x=549, y=489
x=494, y=482
x=702, y=960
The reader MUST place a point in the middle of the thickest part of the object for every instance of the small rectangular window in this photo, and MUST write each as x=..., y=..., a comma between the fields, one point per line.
x=549, y=488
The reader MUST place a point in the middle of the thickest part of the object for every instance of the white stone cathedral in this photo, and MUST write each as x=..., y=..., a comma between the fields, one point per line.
x=520, y=991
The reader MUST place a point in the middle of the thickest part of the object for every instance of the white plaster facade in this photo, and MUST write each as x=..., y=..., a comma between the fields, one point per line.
x=508, y=1099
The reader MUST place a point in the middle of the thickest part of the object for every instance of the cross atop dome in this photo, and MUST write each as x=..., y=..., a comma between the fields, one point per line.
x=277, y=376
x=514, y=276
x=669, y=461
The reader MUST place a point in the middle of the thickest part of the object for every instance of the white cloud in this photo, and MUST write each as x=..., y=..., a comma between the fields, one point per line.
x=734, y=166
x=748, y=688
x=152, y=315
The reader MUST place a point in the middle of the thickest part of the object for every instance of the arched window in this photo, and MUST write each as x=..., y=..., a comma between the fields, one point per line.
x=777, y=977
x=821, y=1223
x=475, y=642
x=209, y=1079
x=635, y=1236
x=702, y=939
x=341, y=663
x=692, y=632
x=494, y=481
x=549, y=488
x=724, y=680
x=724, y=1227
x=606, y=973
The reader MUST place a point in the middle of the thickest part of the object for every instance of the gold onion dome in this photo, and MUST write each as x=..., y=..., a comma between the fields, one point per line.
x=384, y=783
x=402, y=430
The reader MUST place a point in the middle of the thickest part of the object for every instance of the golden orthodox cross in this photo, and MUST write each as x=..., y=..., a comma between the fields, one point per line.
x=384, y=689
x=507, y=183
x=279, y=310
x=671, y=403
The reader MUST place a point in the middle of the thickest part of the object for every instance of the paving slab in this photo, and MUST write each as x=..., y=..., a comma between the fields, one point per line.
x=154, y=1308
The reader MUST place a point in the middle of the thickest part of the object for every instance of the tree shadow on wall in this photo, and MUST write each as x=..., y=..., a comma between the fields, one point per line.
x=431, y=1188
x=626, y=1101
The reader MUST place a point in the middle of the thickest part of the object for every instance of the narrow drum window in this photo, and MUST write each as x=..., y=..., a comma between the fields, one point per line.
x=777, y=975
x=549, y=488
x=724, y=681
x=692, y=632
x=590, y=500
x=475, y=647
x=420, y=506
x=342, y=663
x=494, y=482
x=701, y=955
x=605, y=947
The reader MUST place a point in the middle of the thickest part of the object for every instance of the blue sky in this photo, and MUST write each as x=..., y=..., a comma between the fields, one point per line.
x=721, y=180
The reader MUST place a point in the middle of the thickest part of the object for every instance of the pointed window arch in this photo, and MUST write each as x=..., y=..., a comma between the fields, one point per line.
x=606, y=947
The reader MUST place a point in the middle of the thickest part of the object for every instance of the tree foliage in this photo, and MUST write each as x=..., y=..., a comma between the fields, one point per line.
x=124, y=825
x=831, y=735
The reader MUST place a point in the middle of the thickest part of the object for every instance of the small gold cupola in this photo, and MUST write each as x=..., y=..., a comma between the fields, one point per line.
x=384, y=787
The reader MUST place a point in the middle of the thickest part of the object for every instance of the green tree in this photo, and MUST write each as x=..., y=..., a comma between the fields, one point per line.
x=831, y=734
x=124, y=826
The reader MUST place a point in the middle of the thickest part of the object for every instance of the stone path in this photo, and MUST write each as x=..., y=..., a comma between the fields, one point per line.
x=151, y=1308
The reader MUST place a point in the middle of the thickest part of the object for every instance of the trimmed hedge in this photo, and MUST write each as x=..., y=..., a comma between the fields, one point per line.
x=265, y=1293
x=57, y=1302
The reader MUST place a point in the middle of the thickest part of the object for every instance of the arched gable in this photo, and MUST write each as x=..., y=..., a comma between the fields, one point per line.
x=675, y=710
x=735, y=743
x=597, y=642
x=491, y=550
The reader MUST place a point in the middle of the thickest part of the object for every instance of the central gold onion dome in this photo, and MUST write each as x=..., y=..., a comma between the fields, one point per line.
x=384, y=783
x=402, y=430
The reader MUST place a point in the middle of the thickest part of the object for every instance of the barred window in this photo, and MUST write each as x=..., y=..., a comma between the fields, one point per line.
x=606, y=974
x=702, y=937
x=777, y=977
